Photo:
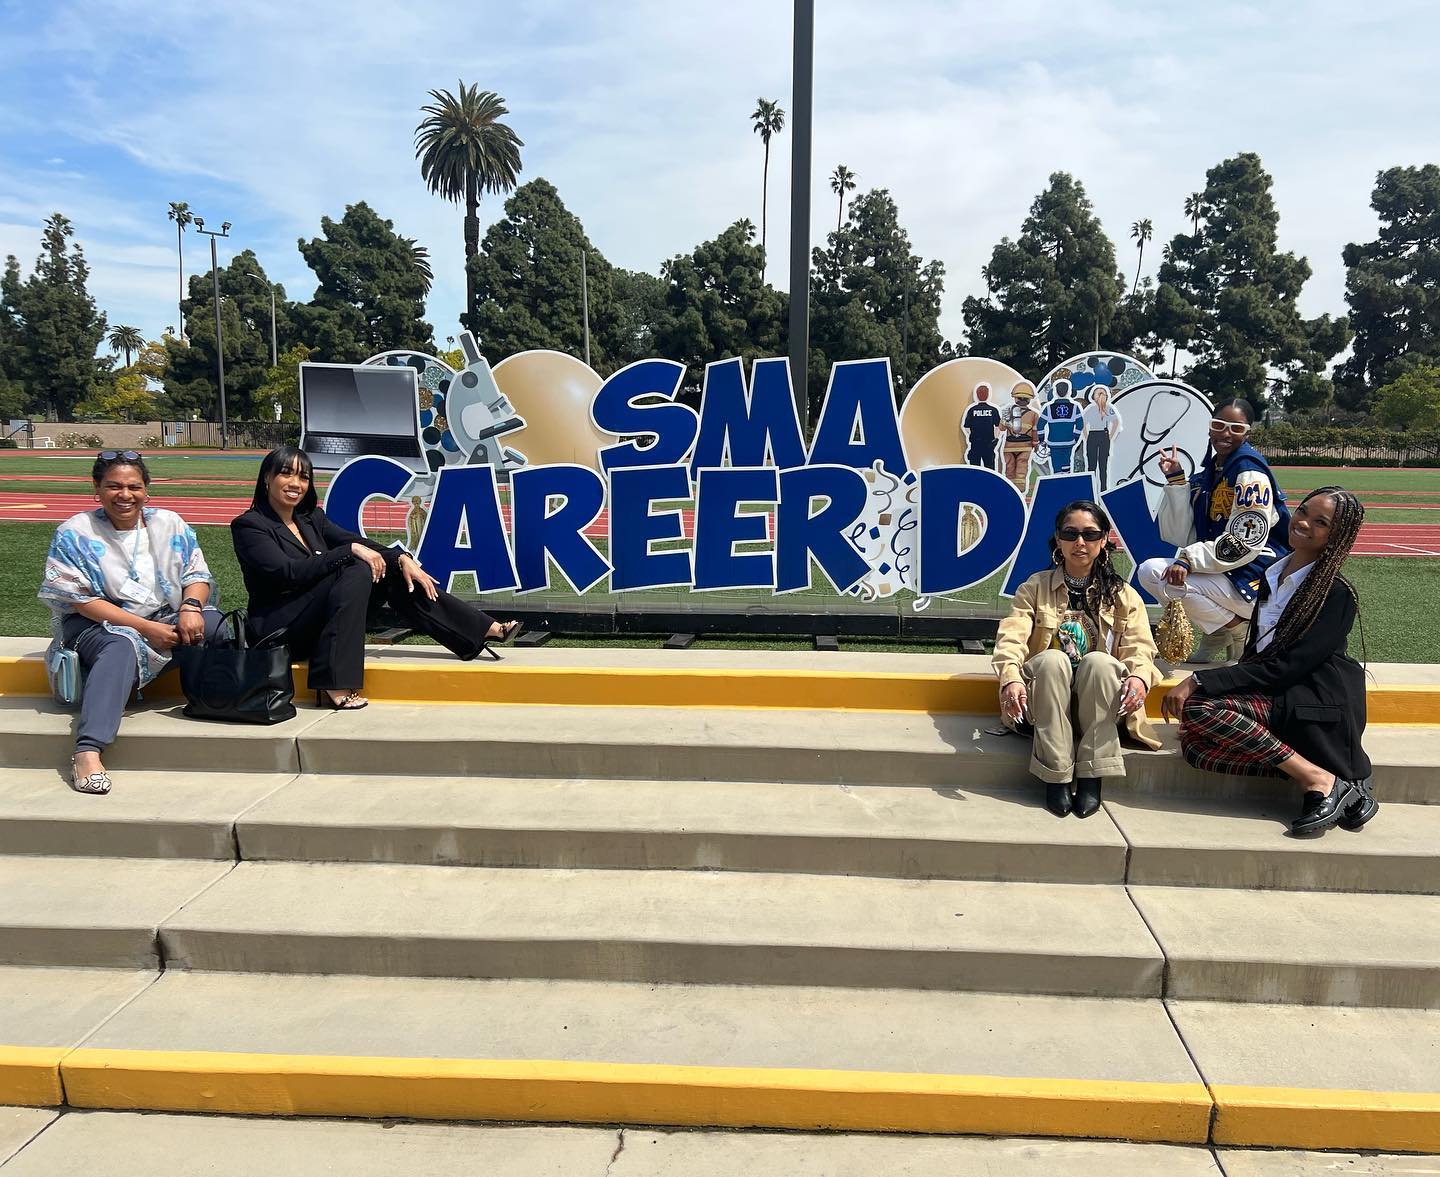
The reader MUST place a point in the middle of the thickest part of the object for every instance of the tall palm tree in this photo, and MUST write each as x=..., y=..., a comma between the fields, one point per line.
x=180, y=213
x=1141, y=232
x=420, y=259
x=464, y=149
x=126, y=339
x=768, y=119
x=842, y=180
x=1194, y=205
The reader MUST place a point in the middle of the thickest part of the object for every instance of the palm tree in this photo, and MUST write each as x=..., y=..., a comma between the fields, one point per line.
x=842, y=180
x=464, y=149
x=181, y=215
x=1194, y=203
x=420, y=259
x=126, y=339
x=768, y=119
x=1141, y=232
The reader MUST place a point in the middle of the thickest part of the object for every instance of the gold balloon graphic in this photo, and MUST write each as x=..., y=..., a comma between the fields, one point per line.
x=930, y=418
x=553, y=392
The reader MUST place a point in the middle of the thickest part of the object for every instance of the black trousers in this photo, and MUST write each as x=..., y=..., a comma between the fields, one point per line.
x=326, y=624
x=1097, y=454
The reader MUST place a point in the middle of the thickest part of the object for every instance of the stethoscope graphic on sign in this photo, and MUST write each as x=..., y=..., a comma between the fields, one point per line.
x=1165, y=410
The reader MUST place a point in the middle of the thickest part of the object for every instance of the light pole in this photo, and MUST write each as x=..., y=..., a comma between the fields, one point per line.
x=801, y=106
x=223, y=231
x=274, y=352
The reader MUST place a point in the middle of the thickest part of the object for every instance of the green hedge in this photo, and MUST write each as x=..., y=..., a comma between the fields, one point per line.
x=1350, y=445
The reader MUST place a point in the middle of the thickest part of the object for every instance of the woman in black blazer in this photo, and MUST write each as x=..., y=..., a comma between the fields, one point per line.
x=1295, y=702
x=318, y=581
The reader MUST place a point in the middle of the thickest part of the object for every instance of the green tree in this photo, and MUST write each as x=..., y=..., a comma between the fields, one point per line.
x=718, y=304
x=189, y=371
x=1140, y=233
x=1228, y=296
x=280, y=389
x=125, y=339
x=1053, y=291
x=464, y=149
x=371, y=294
x=1393, y=285
x=842, y=180
x=180, y=213
x=639, y=307
x=768, y=120
x=127, y=399
x=1412, y=400
x=872, y=295
x=55, y=326
x=527, y=283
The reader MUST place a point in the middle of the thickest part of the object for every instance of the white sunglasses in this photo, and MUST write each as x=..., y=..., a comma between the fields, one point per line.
x=1238, y=428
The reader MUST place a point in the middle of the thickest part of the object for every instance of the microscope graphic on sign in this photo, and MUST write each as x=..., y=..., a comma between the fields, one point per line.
x=480, y=415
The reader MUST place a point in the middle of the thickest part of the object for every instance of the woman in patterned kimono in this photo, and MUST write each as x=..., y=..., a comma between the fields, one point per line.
x=125, y=584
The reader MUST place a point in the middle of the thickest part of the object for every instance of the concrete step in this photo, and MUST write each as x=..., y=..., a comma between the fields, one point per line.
x=1323, y=948
x=679, y=825
x=1245, y=843
x=710, y=927
x=119, y=1144
x=101, y=912
x=675, y=743
x=155, y=814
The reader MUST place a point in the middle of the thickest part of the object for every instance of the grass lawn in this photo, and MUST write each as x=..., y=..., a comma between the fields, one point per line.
x=1396, y=599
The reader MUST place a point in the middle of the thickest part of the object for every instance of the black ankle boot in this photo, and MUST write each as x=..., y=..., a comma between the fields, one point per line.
x=1057, y=798
x=1087, y=795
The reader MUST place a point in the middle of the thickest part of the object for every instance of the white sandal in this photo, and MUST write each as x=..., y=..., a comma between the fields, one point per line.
x=97, y=783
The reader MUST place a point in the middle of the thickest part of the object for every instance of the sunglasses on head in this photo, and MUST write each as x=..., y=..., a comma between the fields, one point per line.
x=123, y=455
x=1088, y=534
x=1238, y=428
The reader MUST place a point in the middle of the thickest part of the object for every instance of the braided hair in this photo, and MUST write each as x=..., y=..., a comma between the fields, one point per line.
x=1304, y=607
x=1105, y=584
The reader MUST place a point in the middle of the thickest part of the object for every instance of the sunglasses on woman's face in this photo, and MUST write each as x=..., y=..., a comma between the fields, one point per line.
x=123, y=455
x=1088, y=534
x=1238, y=428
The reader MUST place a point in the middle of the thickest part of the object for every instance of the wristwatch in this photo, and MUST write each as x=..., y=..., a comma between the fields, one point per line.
x=196, y=601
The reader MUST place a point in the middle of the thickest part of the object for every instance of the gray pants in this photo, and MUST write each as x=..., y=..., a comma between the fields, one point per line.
x=1066, y=699
x=108, y=661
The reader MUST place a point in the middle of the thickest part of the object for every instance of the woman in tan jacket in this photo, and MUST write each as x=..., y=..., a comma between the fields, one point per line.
x=1074, y=657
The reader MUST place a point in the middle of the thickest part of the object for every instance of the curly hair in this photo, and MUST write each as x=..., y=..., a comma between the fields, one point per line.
x=1304, y=607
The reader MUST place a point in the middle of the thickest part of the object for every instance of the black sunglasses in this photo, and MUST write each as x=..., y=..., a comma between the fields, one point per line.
x=123, y=455
x=1089, y=534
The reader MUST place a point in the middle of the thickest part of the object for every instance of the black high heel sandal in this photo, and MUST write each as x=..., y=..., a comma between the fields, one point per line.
x=344, y=703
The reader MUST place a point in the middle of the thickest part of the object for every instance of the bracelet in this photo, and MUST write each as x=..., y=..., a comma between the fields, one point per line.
x=189, y=608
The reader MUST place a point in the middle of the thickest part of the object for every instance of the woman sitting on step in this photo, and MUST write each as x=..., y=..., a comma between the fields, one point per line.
x=1074, y=657
x=1295, y=702
x=126, y=584
x=317, y=582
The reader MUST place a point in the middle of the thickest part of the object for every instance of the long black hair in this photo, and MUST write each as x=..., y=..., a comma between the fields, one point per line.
x=1106, y=584
x=1304, y=607
x=286, y=460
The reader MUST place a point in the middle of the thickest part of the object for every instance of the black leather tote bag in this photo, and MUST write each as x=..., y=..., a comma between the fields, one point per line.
x=228, y=679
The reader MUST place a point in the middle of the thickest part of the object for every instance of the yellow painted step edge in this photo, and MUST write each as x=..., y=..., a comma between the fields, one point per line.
x=390, y=682
x=30, y=1076
x=545, y=1091
x=1283, y=1117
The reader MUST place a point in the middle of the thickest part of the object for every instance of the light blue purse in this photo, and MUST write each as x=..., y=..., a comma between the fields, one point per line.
x=62, y=666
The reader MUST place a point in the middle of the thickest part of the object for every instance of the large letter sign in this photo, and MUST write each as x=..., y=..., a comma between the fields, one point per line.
x=668, y=485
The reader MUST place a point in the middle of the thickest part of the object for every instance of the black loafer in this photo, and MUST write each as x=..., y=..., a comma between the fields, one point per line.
x=1087, y=796
x=1057, y=799
x=1315, y=817
x=1356, y=815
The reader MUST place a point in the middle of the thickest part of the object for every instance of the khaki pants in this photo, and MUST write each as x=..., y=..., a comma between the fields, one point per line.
x=1065, y=699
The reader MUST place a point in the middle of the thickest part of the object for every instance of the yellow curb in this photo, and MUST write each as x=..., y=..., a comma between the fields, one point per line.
x=567, y=1092
x=30, y=1076
x=1282, y=1117
x=964, y=694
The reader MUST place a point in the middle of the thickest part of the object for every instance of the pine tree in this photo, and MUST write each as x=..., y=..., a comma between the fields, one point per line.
x=1053, y=291
x=1228, y=296
x=1393, y=286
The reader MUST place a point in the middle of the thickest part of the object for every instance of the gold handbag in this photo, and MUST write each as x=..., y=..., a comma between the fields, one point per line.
x=1173, y=636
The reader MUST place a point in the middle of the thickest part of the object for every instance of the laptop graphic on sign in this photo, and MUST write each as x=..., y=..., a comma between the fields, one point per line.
x=347, y=410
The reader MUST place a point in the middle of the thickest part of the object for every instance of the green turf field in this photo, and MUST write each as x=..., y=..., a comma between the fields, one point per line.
x=1397, y=599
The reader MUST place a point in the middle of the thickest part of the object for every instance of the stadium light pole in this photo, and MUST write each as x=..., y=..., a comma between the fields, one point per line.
x=802, y=108
x=223, y=231
x=274, y=352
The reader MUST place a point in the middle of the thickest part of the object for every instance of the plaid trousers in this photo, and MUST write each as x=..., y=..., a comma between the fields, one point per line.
x=1231, y=734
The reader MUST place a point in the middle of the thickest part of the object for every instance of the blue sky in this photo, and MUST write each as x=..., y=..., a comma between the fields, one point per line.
x=273, y=114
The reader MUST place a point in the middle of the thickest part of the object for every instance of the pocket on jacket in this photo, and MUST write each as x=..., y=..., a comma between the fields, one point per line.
x=1319, y=712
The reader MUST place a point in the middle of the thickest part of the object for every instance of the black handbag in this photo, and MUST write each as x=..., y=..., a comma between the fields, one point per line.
x=226, y=678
